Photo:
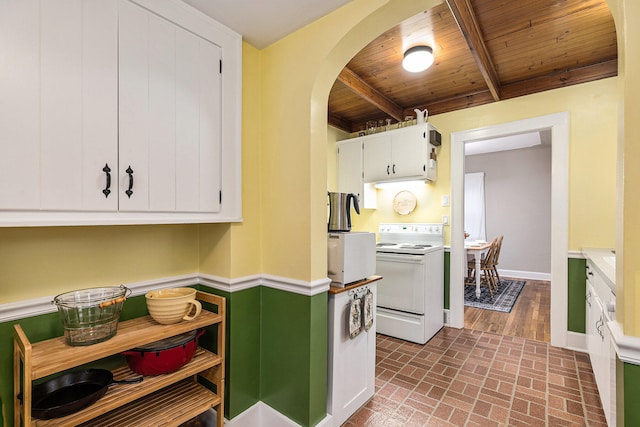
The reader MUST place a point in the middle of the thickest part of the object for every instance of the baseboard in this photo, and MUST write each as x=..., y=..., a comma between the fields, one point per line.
x=528, y=275
x=576, y=341
x=263, y=415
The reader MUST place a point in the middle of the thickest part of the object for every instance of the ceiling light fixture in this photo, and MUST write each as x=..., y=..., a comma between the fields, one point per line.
x=417, y=58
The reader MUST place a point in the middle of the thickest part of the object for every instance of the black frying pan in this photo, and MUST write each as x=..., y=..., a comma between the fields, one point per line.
x=71, y=392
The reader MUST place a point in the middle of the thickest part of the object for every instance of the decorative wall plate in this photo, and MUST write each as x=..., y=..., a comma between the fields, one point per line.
x=404, y=202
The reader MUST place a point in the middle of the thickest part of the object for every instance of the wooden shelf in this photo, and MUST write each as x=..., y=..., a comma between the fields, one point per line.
x=172, y=406
x=51, y=356
x=162, y=400
x=121, y=394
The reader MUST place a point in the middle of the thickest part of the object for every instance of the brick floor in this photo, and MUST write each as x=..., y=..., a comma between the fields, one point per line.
x=463, y=377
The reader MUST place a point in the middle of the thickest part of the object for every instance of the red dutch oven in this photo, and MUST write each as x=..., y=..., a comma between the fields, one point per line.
x=164, y=356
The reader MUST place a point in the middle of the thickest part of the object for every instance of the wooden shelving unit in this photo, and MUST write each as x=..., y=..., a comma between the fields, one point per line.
x=166, y=400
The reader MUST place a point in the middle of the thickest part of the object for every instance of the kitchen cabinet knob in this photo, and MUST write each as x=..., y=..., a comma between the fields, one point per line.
x=129, y=191
x=107, y=189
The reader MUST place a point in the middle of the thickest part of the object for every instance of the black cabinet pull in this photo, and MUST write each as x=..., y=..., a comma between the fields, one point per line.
x=129, y=172
x=387, y=169
x=107, y=170
x=394, y=169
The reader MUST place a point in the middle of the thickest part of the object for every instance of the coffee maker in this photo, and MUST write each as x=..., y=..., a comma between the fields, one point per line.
x=340, y=210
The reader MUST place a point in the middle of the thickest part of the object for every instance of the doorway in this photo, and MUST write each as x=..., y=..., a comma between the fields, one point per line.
x=515, y=204
x=558, y=125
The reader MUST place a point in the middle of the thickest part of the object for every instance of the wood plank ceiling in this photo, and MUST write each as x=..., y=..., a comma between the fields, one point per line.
x=485, y=51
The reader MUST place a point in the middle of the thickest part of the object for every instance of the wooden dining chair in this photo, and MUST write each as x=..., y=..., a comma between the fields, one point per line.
x=495, y=258
x=486, y=265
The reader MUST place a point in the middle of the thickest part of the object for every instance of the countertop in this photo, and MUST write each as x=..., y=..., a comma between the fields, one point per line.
x=599, y=257
x=337, y=290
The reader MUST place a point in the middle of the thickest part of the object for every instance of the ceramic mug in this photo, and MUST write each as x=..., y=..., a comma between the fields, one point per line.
x=173, y=305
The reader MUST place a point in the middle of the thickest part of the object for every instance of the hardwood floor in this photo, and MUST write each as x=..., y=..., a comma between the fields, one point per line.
x=529, y=317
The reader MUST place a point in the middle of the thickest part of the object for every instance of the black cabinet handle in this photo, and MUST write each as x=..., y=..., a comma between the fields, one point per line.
x=394, y=169
x=129, y=172
x=107, y=170
x=387, y=169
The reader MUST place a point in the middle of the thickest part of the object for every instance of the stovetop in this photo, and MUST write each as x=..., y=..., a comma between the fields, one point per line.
x=409, y=238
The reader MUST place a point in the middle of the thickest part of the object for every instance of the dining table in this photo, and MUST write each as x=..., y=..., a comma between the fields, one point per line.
x=477, y=249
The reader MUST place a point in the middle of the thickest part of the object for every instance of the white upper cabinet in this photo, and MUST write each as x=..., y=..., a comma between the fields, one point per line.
x=58, y=117
x=117, y=112
x=170, y=109
x=350, y=168
x=400, y=154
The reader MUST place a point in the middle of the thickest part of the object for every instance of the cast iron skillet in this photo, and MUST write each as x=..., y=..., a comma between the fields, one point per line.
x=71, y=392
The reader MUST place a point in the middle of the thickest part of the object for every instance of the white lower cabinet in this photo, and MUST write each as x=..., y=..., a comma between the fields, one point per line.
x=352, y=362
x=601, y=350
x=117, y=112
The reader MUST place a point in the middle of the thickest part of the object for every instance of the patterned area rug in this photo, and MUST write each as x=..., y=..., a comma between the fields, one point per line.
x=503, y=299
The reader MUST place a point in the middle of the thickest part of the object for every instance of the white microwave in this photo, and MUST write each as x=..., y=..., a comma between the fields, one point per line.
x=351, y=256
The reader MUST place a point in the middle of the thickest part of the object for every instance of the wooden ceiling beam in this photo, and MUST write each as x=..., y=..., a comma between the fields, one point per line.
x=574, y=76
x=556, y=80
x=466, y=19
x=367, y=92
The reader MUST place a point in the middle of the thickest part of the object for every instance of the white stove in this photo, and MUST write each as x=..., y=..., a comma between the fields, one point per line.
x=410, y=258
x=409, y=238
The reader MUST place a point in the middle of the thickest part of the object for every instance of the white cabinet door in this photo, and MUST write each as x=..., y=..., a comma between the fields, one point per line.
x=19, y=105
x=58, y=120
x=170, y=109
x=350, y=168
x=409, y=152
x=351, y=364
x=377, y=164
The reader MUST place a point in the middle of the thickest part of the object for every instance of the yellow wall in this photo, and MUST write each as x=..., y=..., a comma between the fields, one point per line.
x=592, y=160
x=235, y=250
x=37, y=262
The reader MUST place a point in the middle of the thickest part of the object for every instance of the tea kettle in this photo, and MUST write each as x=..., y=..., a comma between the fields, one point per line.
x=340, y=210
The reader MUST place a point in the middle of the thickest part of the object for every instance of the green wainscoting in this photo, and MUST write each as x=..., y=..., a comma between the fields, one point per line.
x=242, y=364
x=577, y=281
x=293, y=371
x=628, y=414
x=276, y=351
x=447, y=278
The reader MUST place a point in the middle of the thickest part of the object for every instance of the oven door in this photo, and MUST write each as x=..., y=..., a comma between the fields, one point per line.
x=403, y=282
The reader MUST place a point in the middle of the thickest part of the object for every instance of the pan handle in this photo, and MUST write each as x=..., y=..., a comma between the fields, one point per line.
x=128, y=381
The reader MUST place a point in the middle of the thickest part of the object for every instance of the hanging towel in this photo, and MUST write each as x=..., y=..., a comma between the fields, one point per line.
x=368, y=310
x=355, y=317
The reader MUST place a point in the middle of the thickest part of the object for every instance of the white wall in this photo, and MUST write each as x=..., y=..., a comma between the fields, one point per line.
x=518, y=200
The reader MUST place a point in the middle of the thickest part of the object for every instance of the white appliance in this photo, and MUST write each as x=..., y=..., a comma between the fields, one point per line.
x=351, y=256
x=352, y=361
x=410, y=259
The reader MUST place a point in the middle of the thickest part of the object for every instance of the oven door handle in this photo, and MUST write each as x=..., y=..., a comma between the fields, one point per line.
x=408, y=258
